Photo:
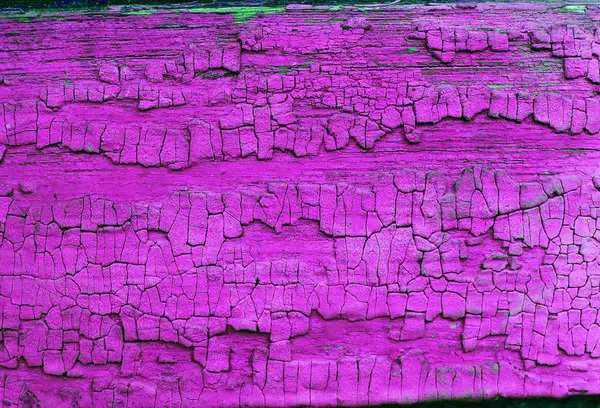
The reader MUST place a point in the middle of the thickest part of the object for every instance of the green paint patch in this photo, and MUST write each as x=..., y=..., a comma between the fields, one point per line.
x=53, y=11
x=215, y=75
x=240, y=14
x=67, y=83
x=284, y=69
x=487, y=63
x=208, y=75
x=499, y=86
x=574, y=151
x=453, y=326
x=139, y=12
x=305, y=65
x=574, y=9
x=170, y=26
x=546, y=67
x=410, y=50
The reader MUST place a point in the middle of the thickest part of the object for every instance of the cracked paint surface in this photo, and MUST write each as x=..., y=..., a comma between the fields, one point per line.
x=310, y=206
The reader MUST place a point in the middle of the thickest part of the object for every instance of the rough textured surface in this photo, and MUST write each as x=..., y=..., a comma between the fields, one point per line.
x=299, y=207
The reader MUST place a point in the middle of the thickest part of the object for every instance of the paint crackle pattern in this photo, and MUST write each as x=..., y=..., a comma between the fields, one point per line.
x=304, y=206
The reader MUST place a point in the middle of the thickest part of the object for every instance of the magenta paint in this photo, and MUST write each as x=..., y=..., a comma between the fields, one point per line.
x=311, y=207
